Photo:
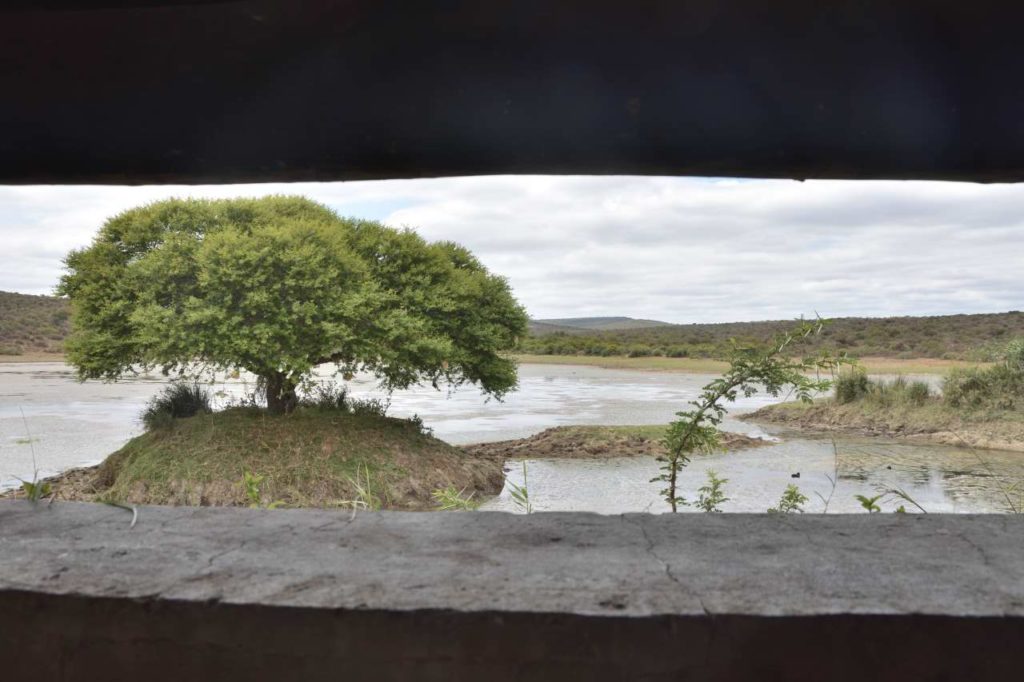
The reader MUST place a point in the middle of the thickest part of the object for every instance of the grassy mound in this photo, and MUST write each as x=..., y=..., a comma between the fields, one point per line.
x=312, y=458
x=929, y=420
x=978, y=407
x=594, y=442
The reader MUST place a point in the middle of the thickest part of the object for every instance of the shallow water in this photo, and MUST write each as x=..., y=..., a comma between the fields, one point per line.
x=940, y=479
x=67, y=424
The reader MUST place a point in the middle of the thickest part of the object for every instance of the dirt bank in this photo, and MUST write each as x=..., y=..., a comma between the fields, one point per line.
x=593, y=442
x=929, y=423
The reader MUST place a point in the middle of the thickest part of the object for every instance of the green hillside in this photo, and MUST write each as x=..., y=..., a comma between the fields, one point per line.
x=32, y=324
x=960, y=337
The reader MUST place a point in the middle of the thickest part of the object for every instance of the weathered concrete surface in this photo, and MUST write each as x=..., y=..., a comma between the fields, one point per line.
x=231, y=593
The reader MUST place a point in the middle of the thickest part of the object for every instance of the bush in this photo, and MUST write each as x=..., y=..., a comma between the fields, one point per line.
x=326, y=396
x=855, y=386
x=851, y=386
x=995, y=388
x=176, y=401
x=370, y=406
x=918, y=392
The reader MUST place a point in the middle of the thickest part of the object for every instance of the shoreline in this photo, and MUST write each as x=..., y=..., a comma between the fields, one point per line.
x=595, y=442
x=28, y=358
x=922, y=425
x=873, y=365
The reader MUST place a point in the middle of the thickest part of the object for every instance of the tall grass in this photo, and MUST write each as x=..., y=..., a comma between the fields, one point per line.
x=177, y=401
x=855, y=386
x=995, y=388
x=999, y=387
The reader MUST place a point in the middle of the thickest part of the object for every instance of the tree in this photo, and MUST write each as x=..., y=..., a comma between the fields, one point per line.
x=279, y=285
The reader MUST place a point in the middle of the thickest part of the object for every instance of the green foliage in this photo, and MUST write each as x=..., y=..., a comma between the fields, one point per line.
x=851, y=385
x=521, y=494
x=36, y=490
x=367, y=495
x=964, y=337
x=870, y=503
x=452, y=499
x=279, y=285
x=251, y=484
x=327, y=396
x=417, y=423
x=918, y=392
x=179, y=400
x=792, y=500
x=751, y=368
x=711, y=496
x=377, y=407
x=855, y=386
x=1000, y=387
x=905, y=496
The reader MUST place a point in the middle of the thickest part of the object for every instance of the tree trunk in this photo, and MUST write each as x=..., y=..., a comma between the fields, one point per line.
x=281, y=398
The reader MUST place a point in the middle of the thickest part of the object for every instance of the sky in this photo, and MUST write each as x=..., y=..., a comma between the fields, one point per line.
x=673, y=249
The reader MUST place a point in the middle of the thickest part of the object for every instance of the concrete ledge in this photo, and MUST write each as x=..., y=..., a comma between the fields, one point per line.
x=236, y=593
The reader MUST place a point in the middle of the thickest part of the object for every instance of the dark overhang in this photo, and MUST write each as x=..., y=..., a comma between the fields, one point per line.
x=191, y=92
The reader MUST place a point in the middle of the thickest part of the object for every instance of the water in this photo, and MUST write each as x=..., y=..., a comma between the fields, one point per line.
x=69, y=424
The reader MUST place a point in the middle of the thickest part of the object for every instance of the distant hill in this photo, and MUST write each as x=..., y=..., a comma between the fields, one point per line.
x=576, y=324
x=39, y=324
x=964, y=337
x=33, y=324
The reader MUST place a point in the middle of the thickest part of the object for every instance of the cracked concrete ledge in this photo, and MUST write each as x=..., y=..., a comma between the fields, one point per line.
x=201, y=591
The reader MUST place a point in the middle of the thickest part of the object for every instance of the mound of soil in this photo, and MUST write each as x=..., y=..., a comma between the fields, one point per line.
x=306, y=459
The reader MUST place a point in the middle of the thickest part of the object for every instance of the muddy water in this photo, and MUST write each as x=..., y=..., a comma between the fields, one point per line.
x=69, y=424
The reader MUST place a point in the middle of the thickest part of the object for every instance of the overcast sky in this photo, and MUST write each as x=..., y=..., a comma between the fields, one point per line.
x=674, y=249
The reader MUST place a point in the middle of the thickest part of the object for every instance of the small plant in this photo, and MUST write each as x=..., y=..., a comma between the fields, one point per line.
x=870, y=503
x=770, y=368
x=792, y=500
x=179, y=400
x=326, y=396
x=450, y=499
x=35, y=489
x=851, y=385
x=376, y=407
x=421, y=428
x=905, y=496
x=251, y=484
x=711, y=496
x=918, y=392
x=521, y=494
x=366, y=497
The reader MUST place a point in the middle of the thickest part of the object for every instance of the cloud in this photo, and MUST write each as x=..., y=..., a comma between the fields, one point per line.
x=678, y=249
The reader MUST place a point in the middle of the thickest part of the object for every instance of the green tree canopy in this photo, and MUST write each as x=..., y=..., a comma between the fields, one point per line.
x=279, y=285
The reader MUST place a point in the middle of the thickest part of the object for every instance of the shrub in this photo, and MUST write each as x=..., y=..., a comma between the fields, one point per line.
x=851, y=386
x=176, y=401
x=997, y=387
x=918, y=392
x=370, y=406
x=326, y=396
